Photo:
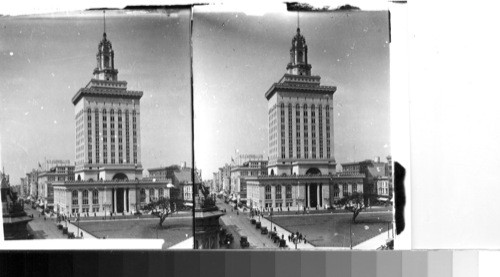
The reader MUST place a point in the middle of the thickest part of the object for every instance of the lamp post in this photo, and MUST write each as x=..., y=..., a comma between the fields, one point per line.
x=78, y=220
x=271, y=215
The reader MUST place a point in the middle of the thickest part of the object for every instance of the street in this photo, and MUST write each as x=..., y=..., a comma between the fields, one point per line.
x=43, y=229
x=239, y=225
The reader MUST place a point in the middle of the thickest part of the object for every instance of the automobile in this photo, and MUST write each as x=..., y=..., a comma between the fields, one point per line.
x=283, y=243
x=258, y=225
x=244, y=242
x=228, y=239
x=71, y=235
x=264, y=231
x=253, y=221
x=272, y=234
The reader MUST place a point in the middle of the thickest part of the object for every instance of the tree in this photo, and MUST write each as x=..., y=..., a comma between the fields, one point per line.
x=164, y=207
x=355, y=203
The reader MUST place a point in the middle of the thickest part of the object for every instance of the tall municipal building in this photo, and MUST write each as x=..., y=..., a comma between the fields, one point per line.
x=302, y=167
x=108, y=170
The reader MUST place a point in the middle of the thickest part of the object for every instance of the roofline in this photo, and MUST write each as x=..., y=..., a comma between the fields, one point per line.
x=107, y=92
x=330, y=90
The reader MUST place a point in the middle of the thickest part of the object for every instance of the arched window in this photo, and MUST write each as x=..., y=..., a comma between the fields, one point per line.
x=160, y=193
x=85, y=197
x=336, y=190
x=345, y=190
x=268, y=192
x=278, y=192
x=152, y=194
x=143, y=195
x=95, y=197
x=289, y=192
x=104, y=111
x=305, y=109
x=112, y=112
x=74, y=197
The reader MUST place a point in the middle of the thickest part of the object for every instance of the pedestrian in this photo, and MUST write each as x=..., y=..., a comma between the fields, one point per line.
x=81, y=234
x=288, y=238
x=275, y=228
x=282, y=236
x=305, y=241
x=44, y=218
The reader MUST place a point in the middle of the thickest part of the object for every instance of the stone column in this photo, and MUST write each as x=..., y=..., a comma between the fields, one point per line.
x=114, y=198
x=124, y=200
x=317, y=195
x=308, y=196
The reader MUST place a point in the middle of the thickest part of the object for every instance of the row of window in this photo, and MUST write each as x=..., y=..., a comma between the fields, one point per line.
x=85, y=197
x=278, y=192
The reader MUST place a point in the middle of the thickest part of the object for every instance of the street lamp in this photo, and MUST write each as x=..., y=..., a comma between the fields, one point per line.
x=271, y=215
x=78, y=220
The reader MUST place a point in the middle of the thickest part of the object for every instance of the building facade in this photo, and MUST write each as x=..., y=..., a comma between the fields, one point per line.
x=301, y=163
x=46, y=180
x=108, y=170
x=377, y=181
x=300, y=112
x=239, y=174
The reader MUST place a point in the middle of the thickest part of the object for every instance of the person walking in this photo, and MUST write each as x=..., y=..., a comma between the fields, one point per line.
x=81, y=234
x=305, y=241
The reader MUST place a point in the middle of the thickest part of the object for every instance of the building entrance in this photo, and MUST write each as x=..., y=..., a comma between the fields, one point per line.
x=119, y=200
x=314, y=196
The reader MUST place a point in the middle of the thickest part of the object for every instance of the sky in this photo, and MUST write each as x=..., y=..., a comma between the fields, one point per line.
x=46, y=59
x=237, y=57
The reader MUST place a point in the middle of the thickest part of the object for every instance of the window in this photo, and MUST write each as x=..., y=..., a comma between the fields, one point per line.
x=152, y=194
x=278, y=192
x=336, y=190
x=288, y=192
x=85, y=197
x=345, y=190
x=160, y=193
x=268, y=192
x=95, y=197
x=74, y=197
x=143, y=195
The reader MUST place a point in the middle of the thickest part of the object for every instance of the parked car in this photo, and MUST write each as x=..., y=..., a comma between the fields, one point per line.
x=258, y=225
x=264, y=231
x=228, y=239
x=244, y=242
x=71, y=235
x=253, y=221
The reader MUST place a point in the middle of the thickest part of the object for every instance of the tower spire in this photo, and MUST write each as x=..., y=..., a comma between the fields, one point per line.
x=298, y=64
x=298, y=21
x=104, y=16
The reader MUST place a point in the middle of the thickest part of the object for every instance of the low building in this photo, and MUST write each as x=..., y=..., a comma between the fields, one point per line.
x=14, y=219
x=301, y=191
x=105, y=196
x=377, y=182
x=47, y=178
x=239, y=174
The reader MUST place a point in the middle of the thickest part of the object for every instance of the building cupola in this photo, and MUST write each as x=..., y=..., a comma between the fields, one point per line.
x=298, y=64
x=105, y=69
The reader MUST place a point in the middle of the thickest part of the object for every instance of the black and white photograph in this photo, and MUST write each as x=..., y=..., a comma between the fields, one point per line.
x=96, y=126
x=292, y=129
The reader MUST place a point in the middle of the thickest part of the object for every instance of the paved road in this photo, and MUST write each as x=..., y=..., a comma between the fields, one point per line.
x=42, y=228
x=239, y=225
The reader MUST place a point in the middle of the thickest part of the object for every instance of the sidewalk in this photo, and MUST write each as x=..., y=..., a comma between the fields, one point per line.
x=265, y=222
x=373, y=243
x=73, y=227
